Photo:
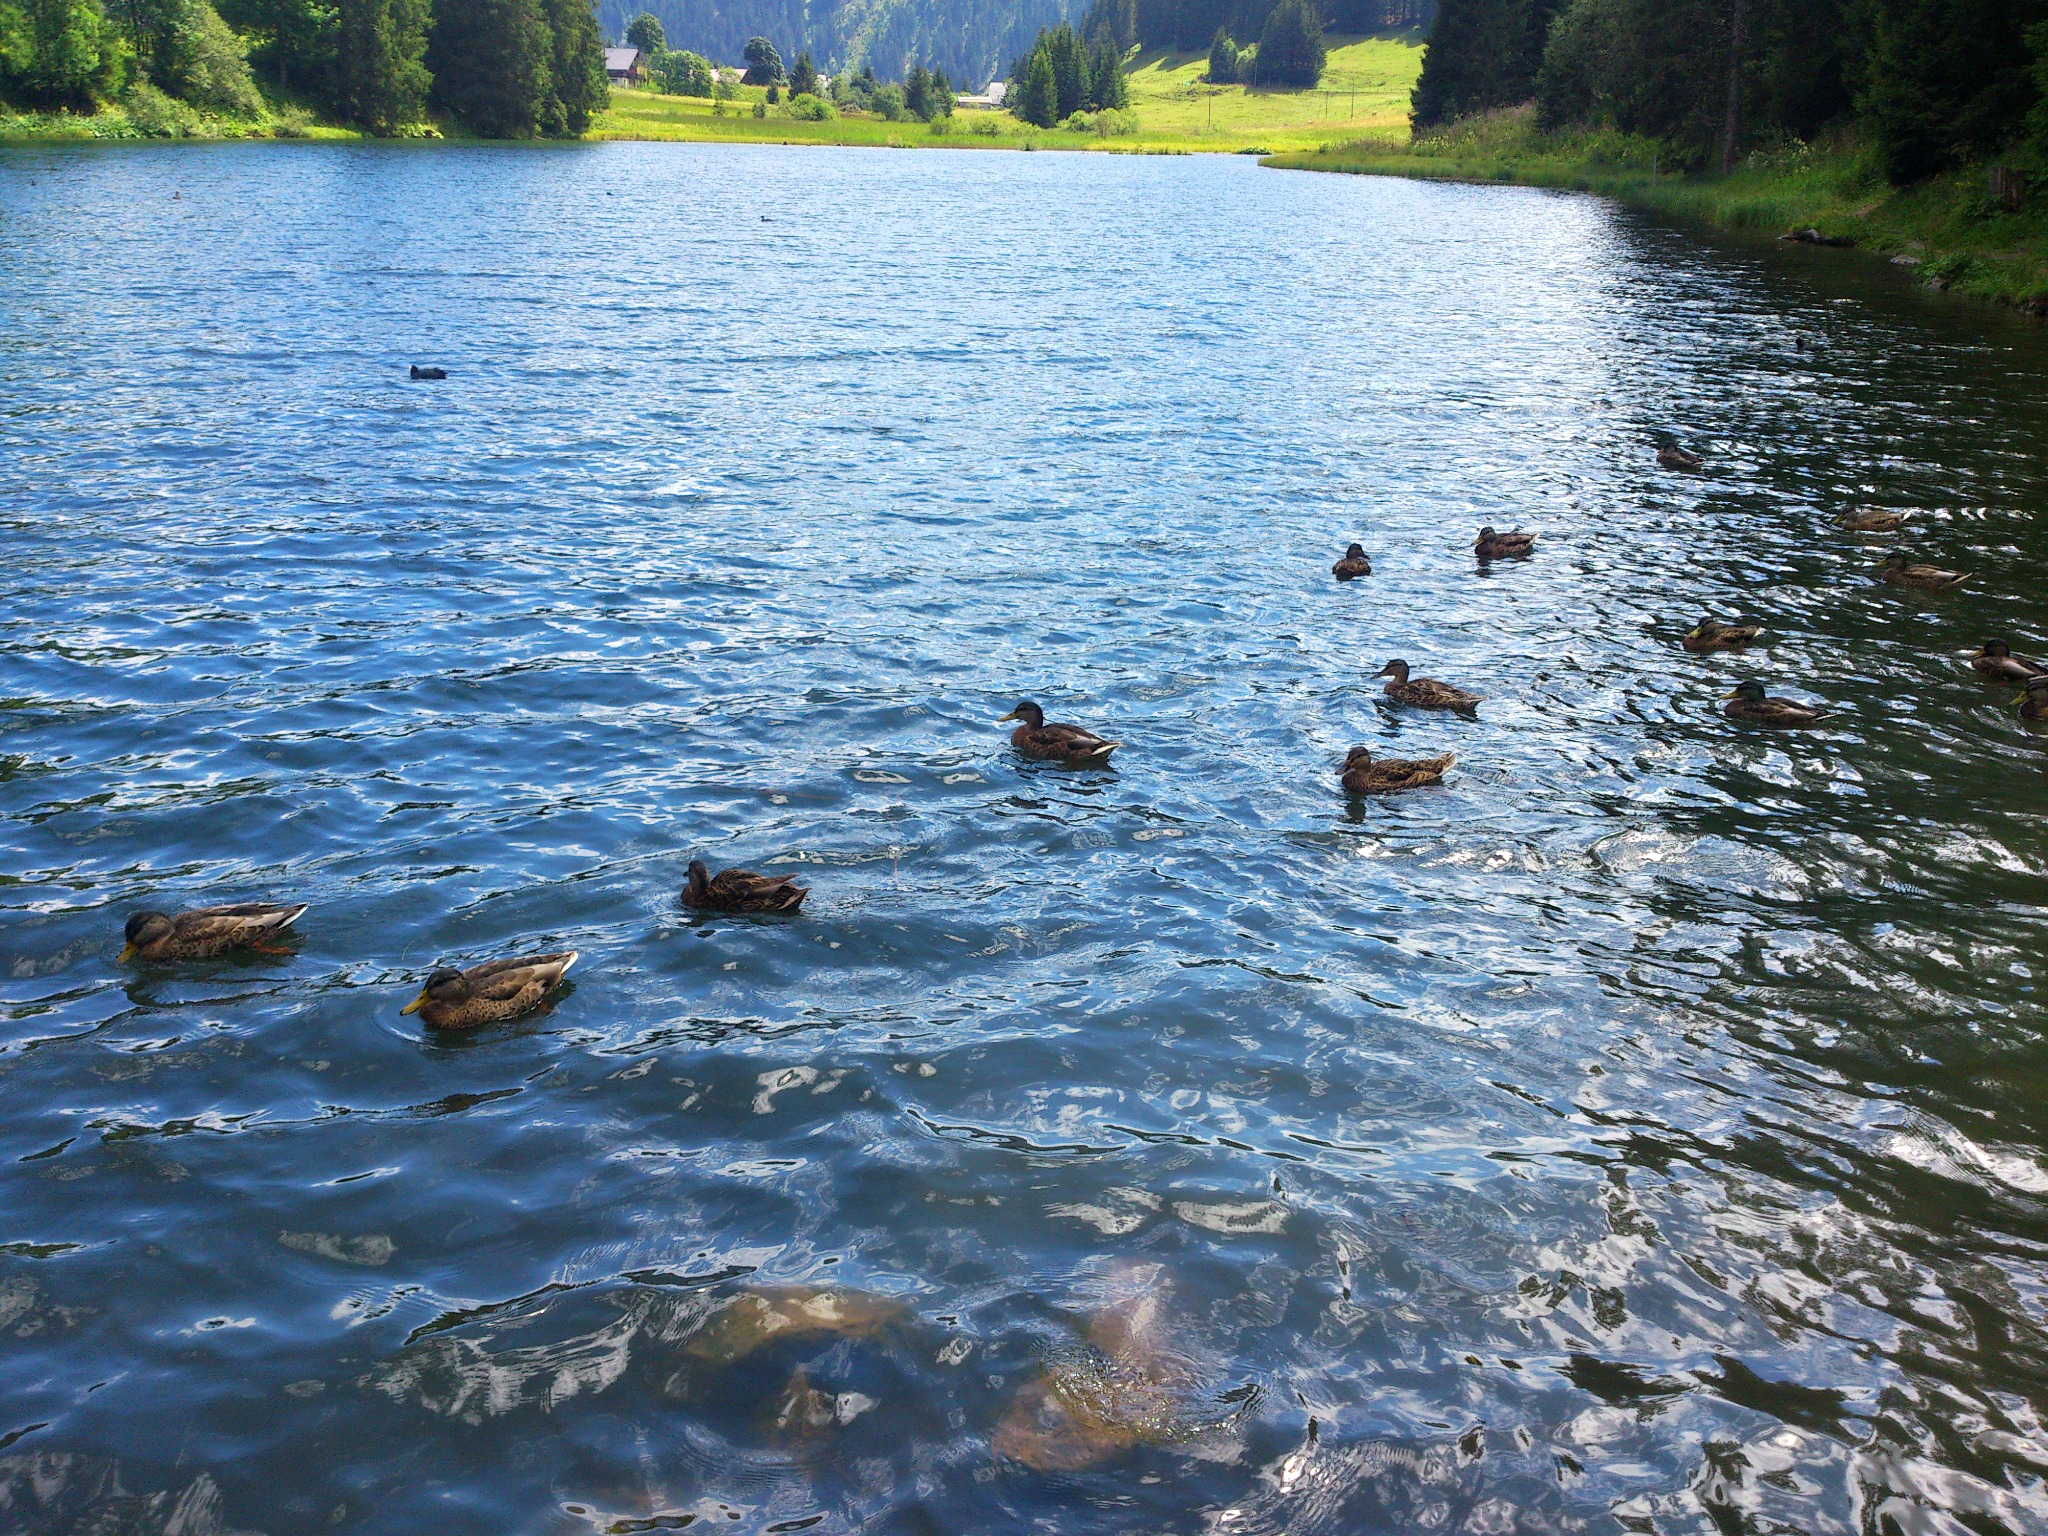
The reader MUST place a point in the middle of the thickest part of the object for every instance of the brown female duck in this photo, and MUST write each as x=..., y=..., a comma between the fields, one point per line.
x=741, y=890
x=1871, y=520
x=1365, y=775
x=2034, y=702
x=1901, y=572
x=1671, y=456
x=1353, y=565
x=488, y=993
x=1424, y=692
x=1749, y=702
x=1996, y=662
x=1511, y=545
x=1069, y=744
x=205, y=932
x=1713, y=635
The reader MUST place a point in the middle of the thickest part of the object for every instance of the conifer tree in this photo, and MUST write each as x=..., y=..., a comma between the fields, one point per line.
x=580, y=89
x=803, y=76
x=381, y=78
x=1069, y=70
x=1108, y=88
x=1291, y=48
x=1038, y=99
x=491, y=62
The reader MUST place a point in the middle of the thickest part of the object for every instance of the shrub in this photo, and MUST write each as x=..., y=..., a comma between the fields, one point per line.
x=811, y=109
x=683, y=73
x=760, y=109
x=985, y=125
x=293, y=123
x=887, y=102
x=941, y=126
x=1116, y=123
x=157, y=116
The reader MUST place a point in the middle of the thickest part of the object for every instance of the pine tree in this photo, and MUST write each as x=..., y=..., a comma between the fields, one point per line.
x=491, y=61
x=381, y=78
x=1108, y=88
x=1222, y=59
x=1038, y=98
x=803, y=77
x=1069, y=70
x=580, y=88
x=1291, y=48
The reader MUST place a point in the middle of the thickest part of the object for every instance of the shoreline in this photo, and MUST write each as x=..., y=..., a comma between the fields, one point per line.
x=1946, y=232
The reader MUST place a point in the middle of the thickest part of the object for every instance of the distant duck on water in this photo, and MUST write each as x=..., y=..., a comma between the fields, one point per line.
x=1901, y=572
x=1070, y=744
x=419, y=373
x=1713, y=635
x=2034, y=702
x=1424, y=692
x=1511, y=545
x=1365, y=775
x=741, y=890
x=1995, y=660
x=489, y=993
x=1871, y=520
x=1671, y=456
x=1749, y=702
x=1353, y=565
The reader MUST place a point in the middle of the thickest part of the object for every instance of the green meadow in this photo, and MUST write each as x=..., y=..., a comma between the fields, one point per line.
x=1365, y=90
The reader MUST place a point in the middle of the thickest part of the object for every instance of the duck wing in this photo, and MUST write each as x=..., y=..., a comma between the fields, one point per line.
x=503, y=981
x=1072, y=741
x=1436, y=695
x=760, y=893
x=222, y=927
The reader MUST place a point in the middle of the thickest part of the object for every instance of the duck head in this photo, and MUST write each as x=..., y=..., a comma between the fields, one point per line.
x=1752, y=691
x=1358, y=757
x=144, y=928
x=445, y=986
x=699, y=881
x=1995, y=648
x=1354, y=551
x=1486, y=532
x=1397, y=670
x=1028, y=712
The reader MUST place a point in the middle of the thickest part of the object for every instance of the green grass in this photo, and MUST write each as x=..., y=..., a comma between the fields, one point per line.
x=1365, y=88
x=1947, y=228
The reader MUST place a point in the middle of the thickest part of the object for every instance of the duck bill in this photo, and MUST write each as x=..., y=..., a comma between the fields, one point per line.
x=1729, y=698
x=1012, y=715
x=415, y=1005
x=127, y=954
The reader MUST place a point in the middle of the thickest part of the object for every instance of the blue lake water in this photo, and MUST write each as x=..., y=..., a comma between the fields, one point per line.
x=1644, y=1131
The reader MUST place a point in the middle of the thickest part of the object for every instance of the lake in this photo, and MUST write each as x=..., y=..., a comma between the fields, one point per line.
x=1643, y=1131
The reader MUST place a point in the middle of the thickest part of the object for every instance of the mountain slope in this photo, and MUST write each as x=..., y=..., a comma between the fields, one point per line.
x=971, y=40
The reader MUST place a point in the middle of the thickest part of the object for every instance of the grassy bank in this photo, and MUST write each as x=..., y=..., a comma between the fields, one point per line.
x=1365, y=89
x=1948, y=230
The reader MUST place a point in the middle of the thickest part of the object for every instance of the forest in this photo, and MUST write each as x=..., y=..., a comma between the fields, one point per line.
x=501, y=68
x=1930, y=84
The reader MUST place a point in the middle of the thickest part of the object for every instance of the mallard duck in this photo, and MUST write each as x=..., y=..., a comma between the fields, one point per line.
x=1749, y=702
x=1901, y=572
x=1056, y=743
x=205, y=932
x=1362, y=775
x=1671, y=456
x=1871, y=520
x=741, y=890
x=1713, y=635
x=1353, y=565
x=1423, y=692
x=1503, y=546
x=1997, y=662
x=430, y=374
x=488, y=993
x=2034, y=702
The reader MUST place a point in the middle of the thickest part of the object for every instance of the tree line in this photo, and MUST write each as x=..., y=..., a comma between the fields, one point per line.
x=503, y=68
x=1060, y=76
x=1932, y=84
x=1190, y=25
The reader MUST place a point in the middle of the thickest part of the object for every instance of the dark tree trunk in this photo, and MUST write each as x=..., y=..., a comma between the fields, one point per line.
x=1732, y=130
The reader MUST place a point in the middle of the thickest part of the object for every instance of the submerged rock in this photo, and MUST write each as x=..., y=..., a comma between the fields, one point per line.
x=1126, y=1386
x=755, y=1318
